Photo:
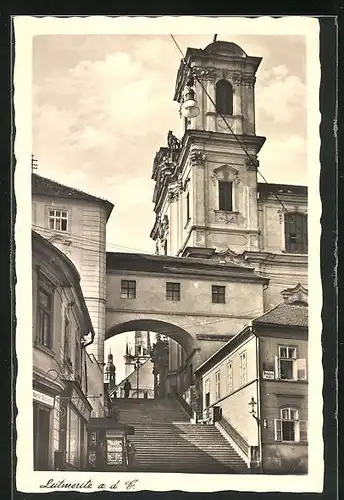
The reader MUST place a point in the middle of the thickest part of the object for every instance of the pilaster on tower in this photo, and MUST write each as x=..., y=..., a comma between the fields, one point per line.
x=206, y=184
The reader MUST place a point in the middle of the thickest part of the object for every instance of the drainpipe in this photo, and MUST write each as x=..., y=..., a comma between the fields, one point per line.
x=260, y=447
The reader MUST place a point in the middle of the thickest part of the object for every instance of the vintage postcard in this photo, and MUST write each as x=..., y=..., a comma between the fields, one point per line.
x=168, y=254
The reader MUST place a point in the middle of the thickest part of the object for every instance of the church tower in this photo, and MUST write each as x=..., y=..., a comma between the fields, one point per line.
x=206, y=184
x=139, y=349
x=109, y=373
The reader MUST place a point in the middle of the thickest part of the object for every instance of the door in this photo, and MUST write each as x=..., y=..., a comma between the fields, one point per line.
x=41, y=429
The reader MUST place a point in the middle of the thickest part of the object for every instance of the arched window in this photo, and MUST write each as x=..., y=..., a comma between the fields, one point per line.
x=296, y=232
x=224, y=97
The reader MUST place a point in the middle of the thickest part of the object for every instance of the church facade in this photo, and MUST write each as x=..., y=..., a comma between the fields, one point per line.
x=207, y=198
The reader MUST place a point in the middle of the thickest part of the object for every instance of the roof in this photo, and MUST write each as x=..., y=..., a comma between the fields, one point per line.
x=285, y=315
x=43, y=186
x=265, y=188
x=291, y=315
x=179, y=265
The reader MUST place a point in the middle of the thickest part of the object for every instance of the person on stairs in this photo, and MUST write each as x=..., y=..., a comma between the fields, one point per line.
x=131, y=454
x=127, y=388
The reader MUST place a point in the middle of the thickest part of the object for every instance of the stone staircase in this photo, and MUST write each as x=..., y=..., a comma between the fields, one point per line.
x=166, y=441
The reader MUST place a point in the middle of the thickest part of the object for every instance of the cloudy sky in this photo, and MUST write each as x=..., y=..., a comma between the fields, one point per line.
x=102, y=107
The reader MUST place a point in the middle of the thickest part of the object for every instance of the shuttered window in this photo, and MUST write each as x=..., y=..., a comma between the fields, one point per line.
x=296, y=233
x=288, y=428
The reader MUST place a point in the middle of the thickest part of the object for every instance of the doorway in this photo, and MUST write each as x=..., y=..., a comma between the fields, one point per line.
x=41, y=431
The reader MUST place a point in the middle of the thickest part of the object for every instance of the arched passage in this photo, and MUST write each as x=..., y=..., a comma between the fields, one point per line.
x=171, y=377
x=170, y=330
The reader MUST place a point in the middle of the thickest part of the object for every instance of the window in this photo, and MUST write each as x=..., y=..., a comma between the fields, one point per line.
x=128, y=289
x=296, y=233
x=172, y=291
x=73, y=437
x=224, y=97
x=225, y=196
x=218, y=294
x=229, y=378
x=58, y=220
x=77, y=359
x=187, y=207
x=217, y=386
x=207, y=393
x=289, y=428
x=45, y=317
x=243, y=368
x=286, y=363
x=67, y=341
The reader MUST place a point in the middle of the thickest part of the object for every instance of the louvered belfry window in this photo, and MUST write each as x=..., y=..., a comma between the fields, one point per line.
x=224, y=97
x=296, y=233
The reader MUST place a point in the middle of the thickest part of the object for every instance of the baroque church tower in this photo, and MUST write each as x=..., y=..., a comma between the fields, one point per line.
x=207, y=198
x=210, y=200
x=139, y=349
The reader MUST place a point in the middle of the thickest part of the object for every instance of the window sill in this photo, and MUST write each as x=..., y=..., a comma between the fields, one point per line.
x=232, y=212
x=292, y=443
x=289, y=252
x=293, y=380
x=44, y=349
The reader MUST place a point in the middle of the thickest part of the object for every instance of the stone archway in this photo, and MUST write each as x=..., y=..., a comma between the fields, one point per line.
x=172, y=379
x=185, y=339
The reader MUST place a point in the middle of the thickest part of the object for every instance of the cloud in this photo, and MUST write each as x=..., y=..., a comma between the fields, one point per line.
x=104, y=108
x=285, y=161
x=279, y=96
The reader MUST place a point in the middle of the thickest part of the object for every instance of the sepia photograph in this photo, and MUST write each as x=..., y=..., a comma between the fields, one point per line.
x=168, y=203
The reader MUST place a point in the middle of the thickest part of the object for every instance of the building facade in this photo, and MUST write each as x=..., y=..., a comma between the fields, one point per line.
x=198, y=303
x=62, y=328
x=75, y=222
x=259, y=382
x=207, y=198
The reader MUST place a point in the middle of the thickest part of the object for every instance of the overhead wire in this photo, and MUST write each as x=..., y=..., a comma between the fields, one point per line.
x=252, y=160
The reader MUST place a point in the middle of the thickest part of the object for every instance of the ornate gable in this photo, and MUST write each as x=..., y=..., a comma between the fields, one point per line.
x=297, y=295
x=227, y=256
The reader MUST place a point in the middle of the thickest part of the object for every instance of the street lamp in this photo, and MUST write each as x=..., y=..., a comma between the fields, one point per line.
x=137, y=365
x=253, y=405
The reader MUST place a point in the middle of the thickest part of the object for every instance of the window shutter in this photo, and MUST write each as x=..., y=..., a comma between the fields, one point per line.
x=301, y=369
x=304, y=234
x=277, y=374
x=295, y=369
x=278, y=429
x=303, y=430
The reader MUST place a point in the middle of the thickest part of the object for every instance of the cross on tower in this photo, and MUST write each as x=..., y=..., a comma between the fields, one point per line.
x=34, y=163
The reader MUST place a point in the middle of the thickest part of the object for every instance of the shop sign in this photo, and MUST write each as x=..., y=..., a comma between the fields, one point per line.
x=114, y=451
x=80, y=405
x=269, y=375
x=43, y=398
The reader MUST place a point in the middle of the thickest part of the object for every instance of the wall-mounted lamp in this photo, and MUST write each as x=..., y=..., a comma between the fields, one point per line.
x=253, y=405
x=265, y=423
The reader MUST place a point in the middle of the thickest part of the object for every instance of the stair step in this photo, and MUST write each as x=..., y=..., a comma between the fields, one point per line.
x=166, y=440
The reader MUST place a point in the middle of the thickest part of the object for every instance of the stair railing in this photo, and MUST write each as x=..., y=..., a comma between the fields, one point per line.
x=184, y=404
x=238, y=439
